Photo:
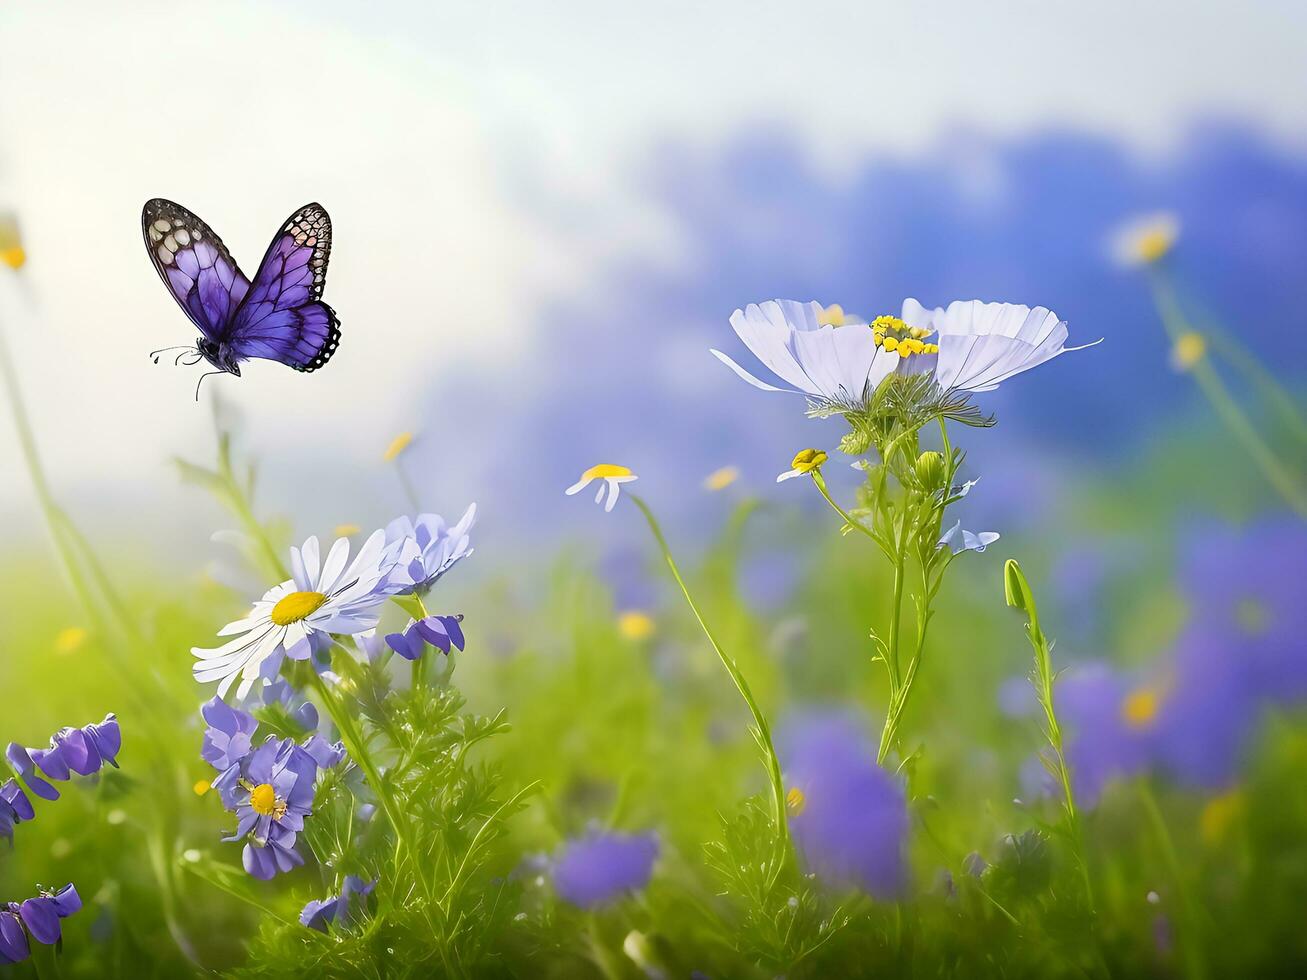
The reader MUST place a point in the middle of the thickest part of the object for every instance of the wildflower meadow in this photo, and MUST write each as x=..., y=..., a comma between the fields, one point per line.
x=892, y=566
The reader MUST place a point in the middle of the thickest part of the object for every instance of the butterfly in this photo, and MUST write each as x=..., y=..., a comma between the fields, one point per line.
x=279, y=315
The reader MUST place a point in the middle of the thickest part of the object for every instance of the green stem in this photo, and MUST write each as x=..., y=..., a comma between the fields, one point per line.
x=848, y=518
x=358, y=751
x=761, y=730
x=1235, y=419
x=1195, y=968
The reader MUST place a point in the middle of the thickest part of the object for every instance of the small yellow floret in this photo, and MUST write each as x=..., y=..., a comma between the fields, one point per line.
x=722, y=478
x=201, y=787
x=808, y=460
x=296, y=606
x=263, y=798
x=1139, y=708
x=70, y=639
x=1218, y=814
x=795, y=801
x=397, y=446
x=1189, y=349
x=891, y=344
x=13, y=256
x=346, y=530
x=635, y=625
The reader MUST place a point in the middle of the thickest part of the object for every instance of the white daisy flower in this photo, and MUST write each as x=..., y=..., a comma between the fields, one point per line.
x=980, y=345
x=612, y=478
x=805, y=346
x=297, y=616
x=970, y=346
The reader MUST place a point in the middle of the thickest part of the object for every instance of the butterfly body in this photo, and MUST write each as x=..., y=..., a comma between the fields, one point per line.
x=278, y=315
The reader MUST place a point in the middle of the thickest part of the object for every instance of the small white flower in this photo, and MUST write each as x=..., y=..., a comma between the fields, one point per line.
x=612, y=478
x=297, y=616
x=960, y=540
x=1144, y=239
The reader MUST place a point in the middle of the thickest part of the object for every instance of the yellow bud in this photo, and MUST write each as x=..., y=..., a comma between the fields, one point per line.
x=397, y=446
x=635, y=625
x=722, y=478
x=795, y=801
x=70, y=639
x=891, y=343
x=201, y=787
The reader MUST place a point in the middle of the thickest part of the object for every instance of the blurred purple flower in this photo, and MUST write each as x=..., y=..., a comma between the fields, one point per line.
x=15, y=807
x=849, y=816
x=600, y=867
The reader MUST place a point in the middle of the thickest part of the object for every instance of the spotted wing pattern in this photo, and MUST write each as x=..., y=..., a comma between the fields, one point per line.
x=194, y=264
x=283, y=317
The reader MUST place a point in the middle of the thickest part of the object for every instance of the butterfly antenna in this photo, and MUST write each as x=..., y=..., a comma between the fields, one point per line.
x=201, y=381
x=163, y=350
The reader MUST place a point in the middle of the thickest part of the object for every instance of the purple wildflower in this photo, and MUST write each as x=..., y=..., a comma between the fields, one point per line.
x=339, y=909
x=442, y=632
x=849, y=817
x=38, y=918
x=271, y=798
x=83, y=751
x=424, y=549
x=15, y=807
x=297, y=706
x=600, y=867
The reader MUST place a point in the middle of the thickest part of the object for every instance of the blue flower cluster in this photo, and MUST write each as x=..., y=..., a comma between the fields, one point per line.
x=83, y=751
x=270, y=788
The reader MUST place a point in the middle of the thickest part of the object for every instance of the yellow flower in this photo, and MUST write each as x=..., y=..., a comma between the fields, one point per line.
x=347, y=530
x=635, y=625
x=1145, y=239
x=201, y=787
x=11, y=243
x=397, y=446
x=70, y=639
x=1189, y=349
x=722, y=478
x=832, y=316
x=805, y=461
x=795, y=801
x=612, y=475
x=1219, y=814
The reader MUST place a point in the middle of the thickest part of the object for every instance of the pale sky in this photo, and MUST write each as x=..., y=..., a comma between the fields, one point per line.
x=417, y=126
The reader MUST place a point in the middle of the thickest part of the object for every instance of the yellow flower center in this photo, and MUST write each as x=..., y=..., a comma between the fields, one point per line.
x=296, y=606
x=635, y=625
x=893, y=334
x=605, y=471
x=1189, y=349
x=1140, y=707
x=263, y=798
x=795, y=801
x=1154, y=242
x=722, y=478
x=808, y=460
x=14, y=256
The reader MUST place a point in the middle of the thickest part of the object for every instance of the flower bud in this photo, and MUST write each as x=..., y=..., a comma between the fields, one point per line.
x=930, y=469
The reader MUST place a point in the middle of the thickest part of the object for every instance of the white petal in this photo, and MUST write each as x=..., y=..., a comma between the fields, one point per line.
x=788, y=475
x=614, y=491
x=334, y=565
x=578, y=486
x=769, y=335
x=743, y=373
x=602, y=487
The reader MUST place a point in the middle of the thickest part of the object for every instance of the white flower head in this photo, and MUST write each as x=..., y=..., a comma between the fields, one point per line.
x=611, y=478
x=980, y=345
x=833, y=363
x=297, y=616
x=1144, y=239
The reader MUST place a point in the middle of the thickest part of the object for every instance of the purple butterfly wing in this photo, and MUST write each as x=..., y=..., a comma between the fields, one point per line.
x=283, y=317
x=194, y=264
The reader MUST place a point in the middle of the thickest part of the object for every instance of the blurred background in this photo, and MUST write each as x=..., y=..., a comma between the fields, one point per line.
x=543, y=219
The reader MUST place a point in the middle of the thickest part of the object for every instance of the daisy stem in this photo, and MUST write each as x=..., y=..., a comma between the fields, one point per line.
x=1287, y=484
x=762, y=731
x=899, y=687
x=849, y=519
x=357, y=747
